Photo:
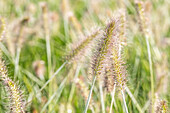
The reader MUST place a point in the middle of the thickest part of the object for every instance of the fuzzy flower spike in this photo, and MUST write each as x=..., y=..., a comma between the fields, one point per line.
x=100, y=55
x=119, y=70
x=81, y=48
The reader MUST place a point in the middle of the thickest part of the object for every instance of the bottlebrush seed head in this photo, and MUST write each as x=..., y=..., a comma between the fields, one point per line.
x=16, y=101
x=107, y=61
x=17, y=104
x=109, y=79
x=119, y=70
x=102, y=50
x=122, y=27
x=82, y=47
x=115, y=69
x=143, y=20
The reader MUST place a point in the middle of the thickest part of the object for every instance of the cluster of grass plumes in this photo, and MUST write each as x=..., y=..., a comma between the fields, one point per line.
x=16, y=102
x=107, y=62
x=117, y=66
x=115, y=72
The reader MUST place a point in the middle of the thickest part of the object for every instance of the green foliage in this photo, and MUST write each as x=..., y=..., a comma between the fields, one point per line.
x=67, y=24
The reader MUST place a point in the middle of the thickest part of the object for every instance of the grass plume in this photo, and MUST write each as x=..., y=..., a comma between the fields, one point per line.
x=76, y=53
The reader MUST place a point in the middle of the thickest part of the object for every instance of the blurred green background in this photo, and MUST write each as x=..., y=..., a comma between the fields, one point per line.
x=68, y=22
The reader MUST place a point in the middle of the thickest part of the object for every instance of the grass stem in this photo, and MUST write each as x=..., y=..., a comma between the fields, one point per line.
x=48, y=48
x=17, y=62
x=113, y=99
x=151, y=70
x=124, y=101
x=58, y=70
x=90, y=94
x=73, y=84
x=57, y=93
x=101, y=96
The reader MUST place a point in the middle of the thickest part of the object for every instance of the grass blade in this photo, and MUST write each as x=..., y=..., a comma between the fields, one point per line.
x=101, y=96
x=133, y=99
x=59, y=69
x=73, y=84
x=58, y=92
x=113, y=99
x=124, y=101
